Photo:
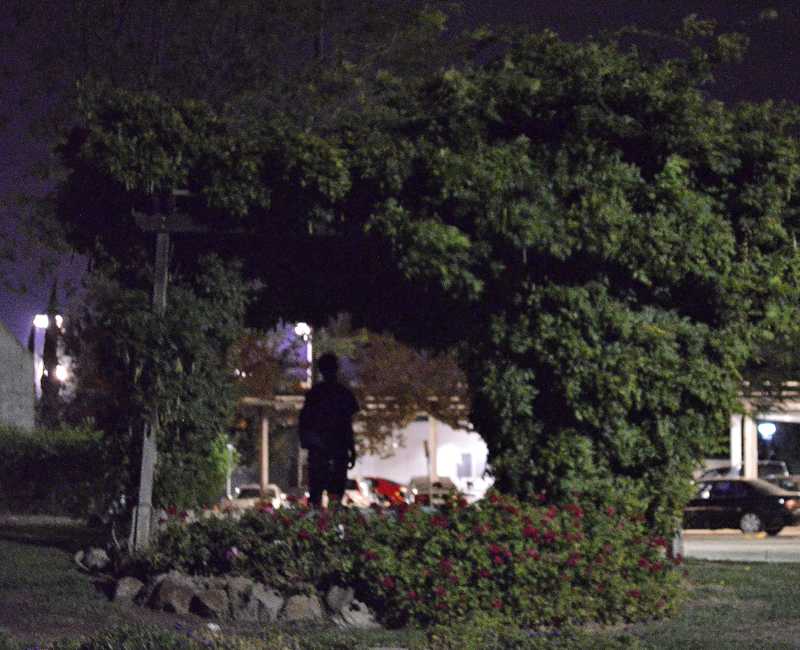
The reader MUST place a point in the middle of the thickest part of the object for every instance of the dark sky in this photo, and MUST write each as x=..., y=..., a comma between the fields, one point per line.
x=770, y=71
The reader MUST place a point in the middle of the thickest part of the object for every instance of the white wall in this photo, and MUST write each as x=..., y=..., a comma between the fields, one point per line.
x=408, y=460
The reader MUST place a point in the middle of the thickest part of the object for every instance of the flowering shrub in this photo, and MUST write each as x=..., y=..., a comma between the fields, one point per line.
x=538, y=565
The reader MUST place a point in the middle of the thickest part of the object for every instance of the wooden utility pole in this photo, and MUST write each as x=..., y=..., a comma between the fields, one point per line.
x=162, y=223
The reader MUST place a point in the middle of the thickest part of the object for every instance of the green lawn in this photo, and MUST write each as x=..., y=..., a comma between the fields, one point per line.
x=43, y=597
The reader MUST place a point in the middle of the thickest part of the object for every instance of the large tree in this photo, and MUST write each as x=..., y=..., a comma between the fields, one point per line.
x=604, y=245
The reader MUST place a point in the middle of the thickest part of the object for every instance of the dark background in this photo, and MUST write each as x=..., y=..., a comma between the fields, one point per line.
x=770, y=71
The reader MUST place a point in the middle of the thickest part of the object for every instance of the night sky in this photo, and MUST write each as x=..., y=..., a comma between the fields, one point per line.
x=771, y=70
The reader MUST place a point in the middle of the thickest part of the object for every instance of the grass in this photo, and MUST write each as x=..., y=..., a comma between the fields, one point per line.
x=43, y=597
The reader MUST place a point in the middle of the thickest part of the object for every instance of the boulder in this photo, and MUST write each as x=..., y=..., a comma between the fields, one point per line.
x=338, y=598
x=92, y=559
x=268, y=603
x=252, y=601
x=96, y=559
x=210, y=603
x=127, y=589
x=356, y=615
x=302, y=608
x=173, y=594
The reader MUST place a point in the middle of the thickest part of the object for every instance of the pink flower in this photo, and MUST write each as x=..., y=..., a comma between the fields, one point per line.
x=611, y=511
x=388, y=582
x=446, y=566
x=497, y=560
x=304, y=535
x=497, y=603
x=439, y=590
x=412, y=595
x=533, y=553
x=542, y=497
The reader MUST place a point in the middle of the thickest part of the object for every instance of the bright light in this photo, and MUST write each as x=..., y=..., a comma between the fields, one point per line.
x=302, y=329
x=61, y=372
x=42, y=321
x=767, y=430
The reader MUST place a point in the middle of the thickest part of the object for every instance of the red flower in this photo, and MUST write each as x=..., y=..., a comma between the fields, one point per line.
x=440, y=522
x=454, y=579
x=659, y=541
x=678, y=559
x=484, y=573
x=497, y=559
x=304, y=534
x=656, y=567
x=493, y=498
x=497, y=604
x=512, y=510
x=551, y=513
x=482, y=529
x=573, y=559
x=370, y=555
x=635, y=593
x=542, y=497
x=574, y=509
x=611, y=511
x=549, y=536
x=412, y=595
x=531, y=532
x=439, y=590
x=601, y=588
x=494, y=549
x=388, y=582
x=533, y=553
x=644, y=562
x=446, y=566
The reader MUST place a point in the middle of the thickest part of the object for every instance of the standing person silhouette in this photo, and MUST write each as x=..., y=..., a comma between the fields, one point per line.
x=326, y=430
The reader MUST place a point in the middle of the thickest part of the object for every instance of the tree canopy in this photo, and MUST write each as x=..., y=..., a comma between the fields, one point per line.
x=604, y=245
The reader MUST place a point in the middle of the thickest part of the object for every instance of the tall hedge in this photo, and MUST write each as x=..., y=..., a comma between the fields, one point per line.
x=64, y=472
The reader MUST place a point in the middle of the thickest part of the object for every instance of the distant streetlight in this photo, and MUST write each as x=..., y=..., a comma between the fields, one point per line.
x=303, y=330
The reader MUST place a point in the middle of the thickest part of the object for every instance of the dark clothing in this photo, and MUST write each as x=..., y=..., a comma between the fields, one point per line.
x=326, y=430
x=328, y=411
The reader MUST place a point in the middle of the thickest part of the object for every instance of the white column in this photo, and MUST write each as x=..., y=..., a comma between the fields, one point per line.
x=750, y=447
x=264, y=452
x=433, y=444
x=736, y=441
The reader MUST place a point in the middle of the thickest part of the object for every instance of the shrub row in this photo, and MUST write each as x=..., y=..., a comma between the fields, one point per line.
x=56, y=472
x=537, y=565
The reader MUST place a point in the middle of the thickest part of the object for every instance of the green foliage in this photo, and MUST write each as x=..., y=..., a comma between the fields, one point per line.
x=130, y=363
x=65, y=471
x=604, y=246
x=534, y=566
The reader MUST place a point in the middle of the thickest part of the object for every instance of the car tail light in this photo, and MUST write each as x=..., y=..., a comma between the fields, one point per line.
x=791, y=504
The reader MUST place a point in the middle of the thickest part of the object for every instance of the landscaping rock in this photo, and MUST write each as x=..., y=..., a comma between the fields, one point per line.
x=92, y=559
x=210, y=603
x=338, y=598
x=173, y=594
x=356, y=615
x=268, y=603
x=127, y=589
x=302, y=608
x=96, y=559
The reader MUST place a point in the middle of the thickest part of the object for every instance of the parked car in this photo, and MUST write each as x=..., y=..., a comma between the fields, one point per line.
x=752, y=505
x=767, y=469
x=437, y=493
x=386, y=492
x=357, y=494
x=249, y=495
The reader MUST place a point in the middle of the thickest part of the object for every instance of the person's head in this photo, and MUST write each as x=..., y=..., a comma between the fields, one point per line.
x=328, y=365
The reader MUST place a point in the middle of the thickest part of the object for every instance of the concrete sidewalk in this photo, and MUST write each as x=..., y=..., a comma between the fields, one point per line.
x=736, y=547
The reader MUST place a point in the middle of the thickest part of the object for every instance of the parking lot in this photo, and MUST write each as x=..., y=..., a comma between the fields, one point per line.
x=729, y=544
